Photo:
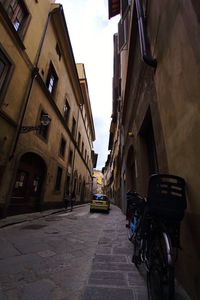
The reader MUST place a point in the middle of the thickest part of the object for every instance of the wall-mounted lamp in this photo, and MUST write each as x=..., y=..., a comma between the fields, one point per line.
x=130, y=134
x=44, y=121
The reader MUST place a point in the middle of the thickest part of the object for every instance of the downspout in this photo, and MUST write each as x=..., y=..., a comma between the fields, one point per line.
x=34, y=74
x=145, y=52
x=76, y=135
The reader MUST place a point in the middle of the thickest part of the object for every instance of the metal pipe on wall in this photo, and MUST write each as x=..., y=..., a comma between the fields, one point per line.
x=145, y=52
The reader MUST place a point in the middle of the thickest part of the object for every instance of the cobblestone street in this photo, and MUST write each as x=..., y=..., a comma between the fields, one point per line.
x=69, y=256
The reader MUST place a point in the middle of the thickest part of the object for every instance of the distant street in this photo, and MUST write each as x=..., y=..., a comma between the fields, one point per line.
x=69, y=256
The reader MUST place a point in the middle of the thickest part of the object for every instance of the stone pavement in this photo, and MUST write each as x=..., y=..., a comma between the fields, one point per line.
x=16, y=219
x=113, y=276
x=93, y=265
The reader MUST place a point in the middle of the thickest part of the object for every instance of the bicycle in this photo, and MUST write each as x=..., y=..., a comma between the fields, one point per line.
x=156, y=234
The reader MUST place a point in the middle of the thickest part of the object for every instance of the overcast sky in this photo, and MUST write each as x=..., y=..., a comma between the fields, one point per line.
x=91, y=35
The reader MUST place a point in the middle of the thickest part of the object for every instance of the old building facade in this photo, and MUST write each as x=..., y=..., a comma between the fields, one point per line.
x=39, y=79
x=158, y=101
x=98, y=182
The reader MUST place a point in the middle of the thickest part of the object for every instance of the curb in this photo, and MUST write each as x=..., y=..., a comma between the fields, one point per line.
x=16, y=219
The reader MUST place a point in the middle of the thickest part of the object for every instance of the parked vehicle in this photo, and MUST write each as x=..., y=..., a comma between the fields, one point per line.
x=154, y=230
x=100, y=202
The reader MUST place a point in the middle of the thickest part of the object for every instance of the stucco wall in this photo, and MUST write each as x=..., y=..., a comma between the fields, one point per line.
x=174, y=32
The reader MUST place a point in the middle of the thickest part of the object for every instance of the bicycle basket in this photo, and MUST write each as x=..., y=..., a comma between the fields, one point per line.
x=166, y=196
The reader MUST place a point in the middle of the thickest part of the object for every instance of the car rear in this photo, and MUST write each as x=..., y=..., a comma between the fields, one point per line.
x=100, y=202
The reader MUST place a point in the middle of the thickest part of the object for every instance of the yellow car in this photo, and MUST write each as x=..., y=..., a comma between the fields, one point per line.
x=100, y=202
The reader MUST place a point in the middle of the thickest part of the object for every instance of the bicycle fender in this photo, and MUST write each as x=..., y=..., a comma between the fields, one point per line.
x=168, y=248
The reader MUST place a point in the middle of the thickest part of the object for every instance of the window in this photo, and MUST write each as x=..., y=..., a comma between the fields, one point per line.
x=17, y=13
x=58, y=179
x=58, y=51
x=79, y=140
x=123, y=31
x=52, y=79
x=70, y=157
x=66, y=111
x=62, y=147
x=73, y=127
x=82, y=149
x=5, y=71
x=43, y=130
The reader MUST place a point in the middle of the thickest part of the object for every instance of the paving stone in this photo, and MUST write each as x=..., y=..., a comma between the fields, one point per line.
x=16, y=264
x=103, y=250
x=2, y=296
x=107, y=278
x=47, y=253
x=118, y=250
x=7, y=250
x=25, y=247
x=113, y=267
x=136, y=279
x=110, y=258
x=110, y=231
x=141, y=292
x=99, y=293
x=44, y=289
x=104, y=241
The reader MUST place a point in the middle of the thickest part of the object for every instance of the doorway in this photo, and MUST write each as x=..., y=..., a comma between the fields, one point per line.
x=26, y=193
x=130, y=170
x=147, y=134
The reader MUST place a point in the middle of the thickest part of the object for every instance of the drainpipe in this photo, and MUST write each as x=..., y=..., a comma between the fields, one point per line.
x=145, y=52
x=34, y=74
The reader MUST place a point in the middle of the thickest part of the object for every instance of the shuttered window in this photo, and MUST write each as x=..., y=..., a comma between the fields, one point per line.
x=6, y=68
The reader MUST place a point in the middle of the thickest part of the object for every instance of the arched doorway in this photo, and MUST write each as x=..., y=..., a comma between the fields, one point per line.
x=26, y=193
x=130, y=170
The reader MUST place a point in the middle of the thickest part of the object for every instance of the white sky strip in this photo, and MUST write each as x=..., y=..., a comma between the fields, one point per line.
x=91, y=35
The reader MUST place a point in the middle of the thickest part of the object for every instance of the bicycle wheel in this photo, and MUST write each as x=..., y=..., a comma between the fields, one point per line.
x=131, y=228
x=130, y=233
x=160, y=276
x=136, y=258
